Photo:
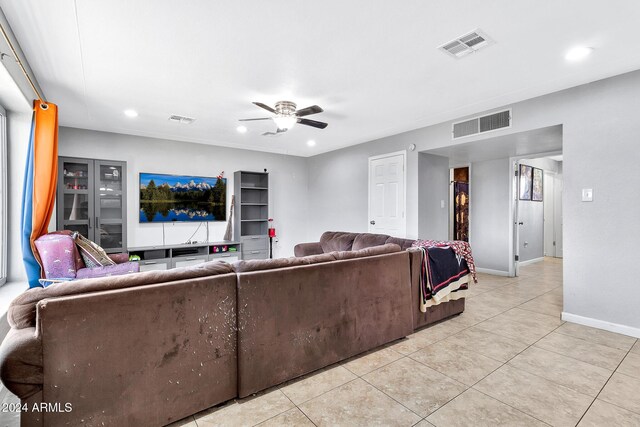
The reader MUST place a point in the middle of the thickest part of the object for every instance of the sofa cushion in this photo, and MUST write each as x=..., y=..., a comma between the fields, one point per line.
x=59, y=255
x=337, y=241
x=271, y=264
x=374, y=250
x=403, y=243
x=22, y=311
x=108, y=270
x=367, y=240
x=92, y=254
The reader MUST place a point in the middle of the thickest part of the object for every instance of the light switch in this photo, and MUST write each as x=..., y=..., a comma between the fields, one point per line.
x=441, y=204
x=587, y=194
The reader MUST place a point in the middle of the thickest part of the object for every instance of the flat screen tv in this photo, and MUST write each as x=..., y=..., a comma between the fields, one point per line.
x=170, y=198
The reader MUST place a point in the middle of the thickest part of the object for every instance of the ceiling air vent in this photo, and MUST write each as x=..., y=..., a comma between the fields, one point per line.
x=477, y=125
x=181, y=119
x=466, y=44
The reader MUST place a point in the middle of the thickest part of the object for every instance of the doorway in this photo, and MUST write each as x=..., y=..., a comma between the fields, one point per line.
x=537, y=209
x=460, y=204
x=387, y=194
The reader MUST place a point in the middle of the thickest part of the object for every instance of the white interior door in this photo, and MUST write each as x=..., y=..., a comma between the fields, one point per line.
x=387, y=194
x=549, y=215
x=557, y=213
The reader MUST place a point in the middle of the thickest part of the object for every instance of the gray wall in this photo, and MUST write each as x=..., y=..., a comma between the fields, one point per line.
x=287, y=175
x=338, y=186
x=600, y=141
x=433, y=189
x=489, y=217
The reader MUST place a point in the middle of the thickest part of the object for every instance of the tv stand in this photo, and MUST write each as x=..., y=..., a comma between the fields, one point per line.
x=164, y=257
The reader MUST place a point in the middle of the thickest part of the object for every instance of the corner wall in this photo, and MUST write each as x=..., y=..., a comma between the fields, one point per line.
x=433, y=197
x=489, y=215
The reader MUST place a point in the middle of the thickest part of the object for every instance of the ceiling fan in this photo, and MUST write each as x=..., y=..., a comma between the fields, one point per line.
x=286, y=116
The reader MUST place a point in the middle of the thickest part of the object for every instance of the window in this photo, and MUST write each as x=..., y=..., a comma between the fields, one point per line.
x=3, y=196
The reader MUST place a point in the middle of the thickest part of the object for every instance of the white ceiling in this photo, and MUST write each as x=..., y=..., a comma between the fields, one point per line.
x=372, y=65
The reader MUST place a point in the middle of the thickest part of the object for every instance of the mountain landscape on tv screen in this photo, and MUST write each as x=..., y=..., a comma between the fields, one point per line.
x=166, y=198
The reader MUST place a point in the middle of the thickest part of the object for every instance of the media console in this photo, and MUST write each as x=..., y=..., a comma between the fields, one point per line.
x=183, y=255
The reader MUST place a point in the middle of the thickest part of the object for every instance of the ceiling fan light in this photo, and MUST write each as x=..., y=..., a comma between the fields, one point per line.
x=285, y=122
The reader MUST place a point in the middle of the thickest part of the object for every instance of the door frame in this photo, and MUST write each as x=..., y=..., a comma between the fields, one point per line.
x=451, y=201
x=404, y=189
x=513, y=206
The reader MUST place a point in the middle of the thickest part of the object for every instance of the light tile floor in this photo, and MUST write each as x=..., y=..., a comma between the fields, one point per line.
x=507, y=360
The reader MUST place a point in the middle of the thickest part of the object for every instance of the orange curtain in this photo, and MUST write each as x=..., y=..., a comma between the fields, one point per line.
x=41, y=177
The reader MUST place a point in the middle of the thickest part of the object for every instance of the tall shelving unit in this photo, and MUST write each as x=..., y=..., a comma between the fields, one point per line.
x=251, y=216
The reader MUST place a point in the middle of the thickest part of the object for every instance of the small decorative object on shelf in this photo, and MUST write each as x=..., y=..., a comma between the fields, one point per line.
x=272, y=235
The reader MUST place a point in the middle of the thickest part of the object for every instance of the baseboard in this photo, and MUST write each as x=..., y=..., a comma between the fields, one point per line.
x=531, y=261
x=494, y=272
x=601, y=324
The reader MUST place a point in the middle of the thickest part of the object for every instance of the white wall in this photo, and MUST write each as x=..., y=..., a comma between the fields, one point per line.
x=433, y=190
x=287, y=175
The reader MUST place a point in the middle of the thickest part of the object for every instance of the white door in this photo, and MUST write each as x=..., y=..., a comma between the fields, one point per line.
x=549, y=217
x=387, y=194
x=557, y=208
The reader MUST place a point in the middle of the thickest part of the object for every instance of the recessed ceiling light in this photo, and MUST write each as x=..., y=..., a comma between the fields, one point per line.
x=242, y=129
x=311, y=143
x=577, y=53
x=131, y=113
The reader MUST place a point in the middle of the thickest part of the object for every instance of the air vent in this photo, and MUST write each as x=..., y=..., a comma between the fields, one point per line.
x=482, y=124
x=466, y=44
x=181, y=119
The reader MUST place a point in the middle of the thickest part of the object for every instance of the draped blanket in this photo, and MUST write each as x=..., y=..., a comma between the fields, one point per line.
x=445, y=270
x=461, y=248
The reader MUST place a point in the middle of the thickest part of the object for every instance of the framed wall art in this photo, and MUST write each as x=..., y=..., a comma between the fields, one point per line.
x=537, y=185
x=526, y=175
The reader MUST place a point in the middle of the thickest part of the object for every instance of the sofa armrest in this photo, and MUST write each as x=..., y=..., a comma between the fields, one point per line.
x=119, y=258
x=304, y=249
x=108, y=270
x=21, y=362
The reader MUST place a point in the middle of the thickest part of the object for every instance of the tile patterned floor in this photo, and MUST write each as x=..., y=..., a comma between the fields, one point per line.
x=508, y=360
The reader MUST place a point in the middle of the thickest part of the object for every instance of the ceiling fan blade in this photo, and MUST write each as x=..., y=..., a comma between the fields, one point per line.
x=277, y=132
x=313, y=123
x=314, y=109
x=266, y=107
x=250, y=120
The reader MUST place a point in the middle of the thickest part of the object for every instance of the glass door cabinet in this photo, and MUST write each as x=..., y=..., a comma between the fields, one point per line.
x=92, y=200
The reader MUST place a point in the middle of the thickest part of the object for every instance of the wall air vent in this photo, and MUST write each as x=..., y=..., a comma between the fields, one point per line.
x=482, y=124
x=181, y=119
x=466, y=44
